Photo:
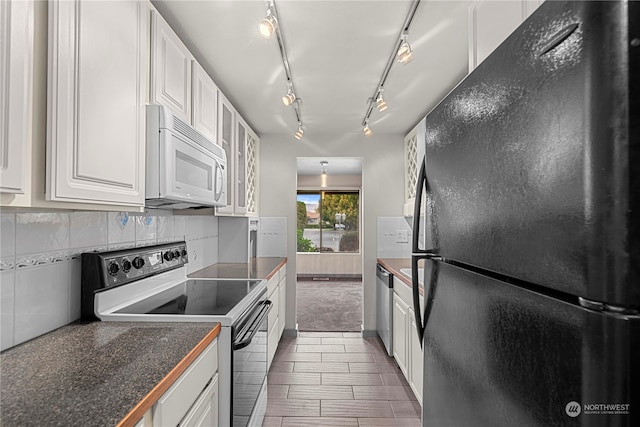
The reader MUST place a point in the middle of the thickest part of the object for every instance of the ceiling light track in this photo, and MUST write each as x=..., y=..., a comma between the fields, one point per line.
x=272, y=21
x=402, y=53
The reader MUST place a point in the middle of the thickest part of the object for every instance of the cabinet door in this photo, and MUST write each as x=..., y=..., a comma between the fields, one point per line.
x=253, y=144
x=205, y=102
x=204, y=412
x=170, y=69
x=400, y=310
x=415, y=358
x=95, y=115
x=491, y=22
x=282, y=308
x=241, y=166
x=16, y=83
x=226, y=134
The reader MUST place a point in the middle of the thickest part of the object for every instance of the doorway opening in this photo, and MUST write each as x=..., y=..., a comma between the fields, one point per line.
x=329, y=256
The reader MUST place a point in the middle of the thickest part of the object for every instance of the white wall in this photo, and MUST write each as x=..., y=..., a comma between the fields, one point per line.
x=382, y=194
x=40, y=259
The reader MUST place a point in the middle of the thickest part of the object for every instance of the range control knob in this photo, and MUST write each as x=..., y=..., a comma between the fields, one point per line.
x=184, y=252
x=138, y=262
x=168, y=256
x=176, y=254
x=113, y=268
x=126, y=265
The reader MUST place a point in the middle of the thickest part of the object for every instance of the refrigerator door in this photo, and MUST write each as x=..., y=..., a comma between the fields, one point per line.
x=499, y=355
x=530, y=160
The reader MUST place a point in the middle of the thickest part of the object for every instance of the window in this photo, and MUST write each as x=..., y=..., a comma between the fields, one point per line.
x=328, y=221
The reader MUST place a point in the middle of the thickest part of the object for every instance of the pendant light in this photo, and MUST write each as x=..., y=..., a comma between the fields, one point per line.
x=323, y=175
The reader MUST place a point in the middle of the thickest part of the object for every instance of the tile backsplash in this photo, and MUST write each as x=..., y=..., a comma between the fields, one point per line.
x=40, y=259
x=394, y=237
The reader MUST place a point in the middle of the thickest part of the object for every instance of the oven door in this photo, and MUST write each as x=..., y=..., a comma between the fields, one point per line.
x=250, y=367
x=187, y=171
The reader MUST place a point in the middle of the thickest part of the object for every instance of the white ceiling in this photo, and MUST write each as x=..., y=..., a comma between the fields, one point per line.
x=337, y=51
x=335, y=165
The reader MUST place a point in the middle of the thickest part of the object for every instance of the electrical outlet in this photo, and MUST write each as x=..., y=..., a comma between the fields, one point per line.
x=402, y=236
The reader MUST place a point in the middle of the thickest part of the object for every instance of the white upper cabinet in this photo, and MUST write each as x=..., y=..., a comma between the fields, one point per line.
x=252, y=154
x=170, y=69
x=241, y=145
x=226, y=137
x=491, y=22
x=95, y=113
x=16, y=83
x=205, y=102
x=414, y=148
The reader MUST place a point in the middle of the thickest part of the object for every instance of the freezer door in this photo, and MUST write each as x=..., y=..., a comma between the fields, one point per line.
x=532, y=159
x=499, y=355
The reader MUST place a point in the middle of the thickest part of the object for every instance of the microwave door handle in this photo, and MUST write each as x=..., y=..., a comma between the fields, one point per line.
x=247, y=333
x=218, y=182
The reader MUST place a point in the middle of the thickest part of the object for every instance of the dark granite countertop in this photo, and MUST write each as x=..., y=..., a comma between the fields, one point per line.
x=259, y=268
x=91, y=374
x=393, y=265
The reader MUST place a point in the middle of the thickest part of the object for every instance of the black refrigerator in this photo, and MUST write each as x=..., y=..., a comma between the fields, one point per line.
x=530, y=204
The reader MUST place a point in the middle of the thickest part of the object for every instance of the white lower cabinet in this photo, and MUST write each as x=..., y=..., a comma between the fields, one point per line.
x=193, y=399
x=400, y=332
x=415, y=359
x=276, y=293
x=204, y=412
x=406, y=347
x=282, y=297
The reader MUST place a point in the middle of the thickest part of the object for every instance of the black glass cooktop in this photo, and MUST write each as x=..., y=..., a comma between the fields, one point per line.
x=195, y=297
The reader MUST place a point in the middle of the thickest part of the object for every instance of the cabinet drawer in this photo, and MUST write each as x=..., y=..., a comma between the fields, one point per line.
x=204, y=412
x=272, y=285
x=175, y=403
x=273, y=313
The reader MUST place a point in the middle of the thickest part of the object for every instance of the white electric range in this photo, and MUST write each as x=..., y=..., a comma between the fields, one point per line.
x=149, y=284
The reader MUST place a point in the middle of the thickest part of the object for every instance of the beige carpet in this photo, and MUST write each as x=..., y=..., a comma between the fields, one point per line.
x=329, y=306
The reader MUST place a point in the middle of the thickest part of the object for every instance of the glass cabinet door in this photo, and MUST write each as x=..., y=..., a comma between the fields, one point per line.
x=241, y=172
x=226, y=139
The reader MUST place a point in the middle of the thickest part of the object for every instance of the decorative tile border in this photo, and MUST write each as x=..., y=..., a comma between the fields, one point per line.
x=35, y=260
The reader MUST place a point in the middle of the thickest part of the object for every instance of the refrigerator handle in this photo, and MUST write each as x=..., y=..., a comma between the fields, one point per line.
x=415, y=288
x=422, y=177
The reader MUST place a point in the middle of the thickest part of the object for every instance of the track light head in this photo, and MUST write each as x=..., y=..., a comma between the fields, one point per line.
x=405, y=53
x=367, y=130
x=288, y=98
x=268, y=25
x=382, y=104
x=299, y=132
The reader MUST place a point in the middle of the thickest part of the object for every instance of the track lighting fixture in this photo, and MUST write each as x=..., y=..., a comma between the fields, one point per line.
x=405, y=53
x=268, y=25
x=402, y=53
x=367, y=130
x=289, y=97
x=271, y=25
x=382, y=104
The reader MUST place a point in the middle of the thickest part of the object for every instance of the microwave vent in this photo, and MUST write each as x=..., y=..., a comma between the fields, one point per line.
x=195, y=136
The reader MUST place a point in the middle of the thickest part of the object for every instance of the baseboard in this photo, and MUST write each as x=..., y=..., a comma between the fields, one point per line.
x=292, y=333
x=369, y=333
x=329, y=277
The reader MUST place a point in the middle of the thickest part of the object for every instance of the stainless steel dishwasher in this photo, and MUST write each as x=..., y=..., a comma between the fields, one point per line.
x=384, y=317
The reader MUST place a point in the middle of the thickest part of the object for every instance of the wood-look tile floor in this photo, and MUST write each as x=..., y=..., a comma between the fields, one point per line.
x=337, y=379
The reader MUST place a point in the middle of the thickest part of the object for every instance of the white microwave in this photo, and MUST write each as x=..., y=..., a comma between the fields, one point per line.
x=184, y=169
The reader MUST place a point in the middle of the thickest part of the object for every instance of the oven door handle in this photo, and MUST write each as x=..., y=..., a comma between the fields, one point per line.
x=247, y=333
